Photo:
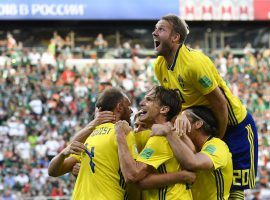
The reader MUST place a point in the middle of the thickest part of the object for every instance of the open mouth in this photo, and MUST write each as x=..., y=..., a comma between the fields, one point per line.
x=157, y=43
x=142, y=112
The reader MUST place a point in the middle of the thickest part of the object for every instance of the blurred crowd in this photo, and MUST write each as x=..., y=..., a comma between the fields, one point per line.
x=43, y=103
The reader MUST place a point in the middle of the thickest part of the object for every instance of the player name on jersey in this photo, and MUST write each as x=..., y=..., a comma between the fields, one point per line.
x=101, y=131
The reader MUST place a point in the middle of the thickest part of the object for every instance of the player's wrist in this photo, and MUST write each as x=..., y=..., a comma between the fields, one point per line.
x=120, y=135
x=91, y=126
x=64, y=154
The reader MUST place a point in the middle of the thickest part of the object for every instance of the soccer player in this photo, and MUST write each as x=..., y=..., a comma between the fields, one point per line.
x=99, y=175
x=160, y=105
x=213, y=160
x=142, y=133
x=196, y=78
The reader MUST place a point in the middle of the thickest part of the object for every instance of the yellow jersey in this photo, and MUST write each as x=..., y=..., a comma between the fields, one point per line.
x=142, y=138
x=194, y=75
x=100, y=176
x=214, y=184
x=158, y=154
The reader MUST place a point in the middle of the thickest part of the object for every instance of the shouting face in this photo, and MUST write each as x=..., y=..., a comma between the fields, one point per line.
x=162, y=36
x=150, y=108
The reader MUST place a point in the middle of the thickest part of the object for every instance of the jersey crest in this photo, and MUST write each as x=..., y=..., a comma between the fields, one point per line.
x=181, y=81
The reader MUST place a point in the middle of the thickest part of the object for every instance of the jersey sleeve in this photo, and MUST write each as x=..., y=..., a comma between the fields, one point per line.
x=201, y=74
x=217, y=153
x=156, y=152
x=131, y=142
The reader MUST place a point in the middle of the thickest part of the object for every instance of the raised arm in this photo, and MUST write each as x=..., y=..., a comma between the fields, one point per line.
x=100, y=118
x=132, y=171
x=62, y=163
x=218, y=105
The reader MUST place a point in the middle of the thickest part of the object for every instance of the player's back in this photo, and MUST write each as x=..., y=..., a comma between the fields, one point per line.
x=100, y=175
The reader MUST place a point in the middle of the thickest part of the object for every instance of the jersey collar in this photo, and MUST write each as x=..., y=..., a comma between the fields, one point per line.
x=175, y=58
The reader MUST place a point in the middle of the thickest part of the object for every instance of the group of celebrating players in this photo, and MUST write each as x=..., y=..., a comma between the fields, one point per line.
x=192, y=138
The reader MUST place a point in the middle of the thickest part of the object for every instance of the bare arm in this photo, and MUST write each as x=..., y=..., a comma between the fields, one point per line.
x=83, y=134
x=153, y=181
x=186, y=157
x=61, y=163
x=132, y=171
x=188, y=142
x=100, y=118
x=219, y=107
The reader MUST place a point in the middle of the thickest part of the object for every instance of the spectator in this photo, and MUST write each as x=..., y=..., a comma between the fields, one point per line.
x=100, y=45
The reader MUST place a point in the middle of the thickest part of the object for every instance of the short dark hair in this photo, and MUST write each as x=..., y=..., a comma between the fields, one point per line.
x=210, y=126
x=179, y=26
x=170, y=98
x=109, y=99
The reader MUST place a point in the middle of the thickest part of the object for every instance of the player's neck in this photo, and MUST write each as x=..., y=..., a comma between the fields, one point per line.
x=170, y=57
x=160, y=120
x=201, y=139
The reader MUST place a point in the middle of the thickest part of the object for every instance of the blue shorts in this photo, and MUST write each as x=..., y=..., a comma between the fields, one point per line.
x=243, y=144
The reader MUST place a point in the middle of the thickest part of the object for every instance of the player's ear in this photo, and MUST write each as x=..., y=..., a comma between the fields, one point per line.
x=176, y=37
x=119, y=107
x=164, y=109
x=198, y=124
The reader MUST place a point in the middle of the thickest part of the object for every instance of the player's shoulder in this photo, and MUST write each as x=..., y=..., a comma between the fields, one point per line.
x=160, y=60
x=193, y=60
x=192, y=55
x=157, y=140
x=216, y=143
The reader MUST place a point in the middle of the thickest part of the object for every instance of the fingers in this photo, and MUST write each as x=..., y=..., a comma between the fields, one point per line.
x=76, y=169
x=106, y=116
x=183, y=128
x=189, y=177
x=76, y=148
x=160, y=130
x=122, y=126
x=77, y=166
x=182, y=125
x=103, y=117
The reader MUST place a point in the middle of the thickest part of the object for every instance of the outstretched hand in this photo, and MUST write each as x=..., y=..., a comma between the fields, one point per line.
x=182, y=124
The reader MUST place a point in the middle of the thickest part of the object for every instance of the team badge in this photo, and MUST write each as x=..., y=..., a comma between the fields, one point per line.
x=165, y=80
x=210, y=149
x=147, y=153
x=205, y=82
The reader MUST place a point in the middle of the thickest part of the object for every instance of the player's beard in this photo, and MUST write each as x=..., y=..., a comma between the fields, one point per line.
x=165, y=49
x=125, y=115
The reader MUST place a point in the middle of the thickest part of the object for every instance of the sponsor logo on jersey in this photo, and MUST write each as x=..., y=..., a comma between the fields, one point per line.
x=147, y=153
